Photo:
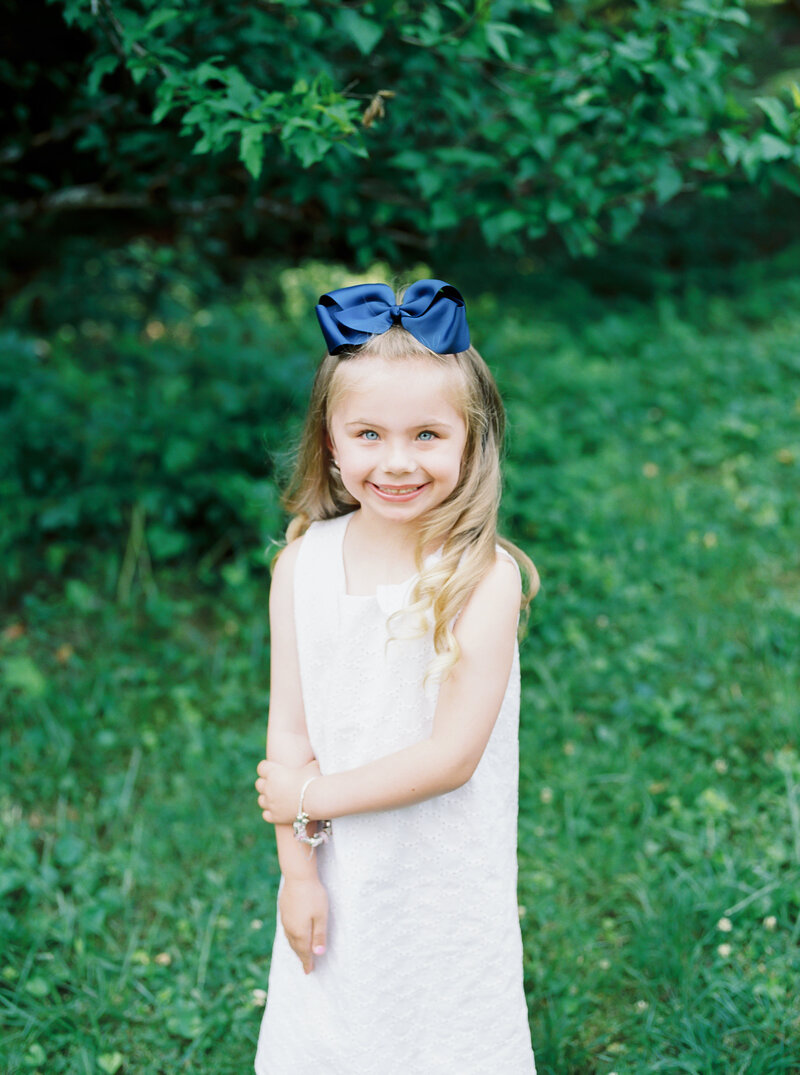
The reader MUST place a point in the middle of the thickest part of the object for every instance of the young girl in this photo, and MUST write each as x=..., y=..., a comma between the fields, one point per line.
x=394, y=709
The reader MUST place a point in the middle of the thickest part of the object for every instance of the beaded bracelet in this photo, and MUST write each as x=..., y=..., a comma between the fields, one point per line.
x=300, y=823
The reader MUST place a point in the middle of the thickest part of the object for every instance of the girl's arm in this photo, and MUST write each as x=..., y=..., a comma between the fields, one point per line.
x=303, y=900
x=468, y=705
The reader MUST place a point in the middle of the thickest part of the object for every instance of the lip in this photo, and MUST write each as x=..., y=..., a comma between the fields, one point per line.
x=401, y=494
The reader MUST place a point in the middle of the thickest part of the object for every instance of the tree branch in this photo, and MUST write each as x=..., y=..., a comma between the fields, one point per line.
x=11, y=154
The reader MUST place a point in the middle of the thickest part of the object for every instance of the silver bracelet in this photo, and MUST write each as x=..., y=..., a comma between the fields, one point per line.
x=300, y=824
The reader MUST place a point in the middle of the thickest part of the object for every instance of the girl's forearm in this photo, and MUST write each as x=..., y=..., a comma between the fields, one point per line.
x=295, y=862
x=294, y=858
x=418, y=772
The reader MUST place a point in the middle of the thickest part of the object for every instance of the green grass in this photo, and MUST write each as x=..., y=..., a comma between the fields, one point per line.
x=653, y=471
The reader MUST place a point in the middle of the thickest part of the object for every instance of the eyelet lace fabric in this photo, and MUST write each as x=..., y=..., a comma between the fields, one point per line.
x=423, y=969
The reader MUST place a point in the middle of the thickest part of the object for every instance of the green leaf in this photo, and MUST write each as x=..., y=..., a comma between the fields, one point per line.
x=20, y=673
x=251, y=149
x=496, y=33
x=307, y=145
x=69, y=850
x=166, y=95
x=102, y=67
x=110, y=1062
x=444, y=215
x=138, y=70
x=208, y=71
x=37, y=987
x=733, y=146
x=363, y=32
x=734, y=14
x=159, y=17
x=202, y=145
x=503, y=224
x=776, y=111
x=557, y=212
x=667, y=182
x=624, y=219
x=771, y=148
x=241, y=94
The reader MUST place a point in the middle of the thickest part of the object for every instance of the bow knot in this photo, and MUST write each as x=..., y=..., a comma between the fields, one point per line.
x=432, y=311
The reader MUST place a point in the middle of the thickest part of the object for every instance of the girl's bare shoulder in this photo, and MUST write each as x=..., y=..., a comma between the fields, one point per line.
x=495, y=601
x=284, y=564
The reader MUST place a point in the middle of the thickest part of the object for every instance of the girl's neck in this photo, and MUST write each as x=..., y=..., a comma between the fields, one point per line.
x=377, y=553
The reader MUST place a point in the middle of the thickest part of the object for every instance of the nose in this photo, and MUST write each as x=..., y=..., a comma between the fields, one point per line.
x=398, y=458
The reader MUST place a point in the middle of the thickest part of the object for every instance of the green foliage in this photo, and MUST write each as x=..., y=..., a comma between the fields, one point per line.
x=652, y=472
x=157, y=421
x=391, y=124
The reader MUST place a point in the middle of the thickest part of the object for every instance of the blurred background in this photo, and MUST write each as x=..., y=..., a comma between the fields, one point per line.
x=615, y=188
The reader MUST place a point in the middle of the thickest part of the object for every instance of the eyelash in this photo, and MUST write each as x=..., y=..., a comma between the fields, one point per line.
x=427, y=433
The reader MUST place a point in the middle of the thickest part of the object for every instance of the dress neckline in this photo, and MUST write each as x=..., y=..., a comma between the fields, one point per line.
x=386, y=593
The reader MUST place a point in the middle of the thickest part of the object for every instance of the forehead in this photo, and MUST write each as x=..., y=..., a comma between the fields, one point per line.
x=397, y=383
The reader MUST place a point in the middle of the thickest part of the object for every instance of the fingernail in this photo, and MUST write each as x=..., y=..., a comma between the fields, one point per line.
x=319, y=950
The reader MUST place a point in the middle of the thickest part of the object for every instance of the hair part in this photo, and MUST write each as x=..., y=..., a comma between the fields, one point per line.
x=464, y=526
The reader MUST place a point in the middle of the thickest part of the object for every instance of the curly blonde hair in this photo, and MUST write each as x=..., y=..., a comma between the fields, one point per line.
x=464, y=526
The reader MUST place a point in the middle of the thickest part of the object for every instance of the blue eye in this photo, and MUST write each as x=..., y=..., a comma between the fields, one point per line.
x=369, y=434
x=427, y=435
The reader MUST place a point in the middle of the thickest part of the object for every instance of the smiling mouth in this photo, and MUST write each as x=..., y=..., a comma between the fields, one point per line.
x=398, y=491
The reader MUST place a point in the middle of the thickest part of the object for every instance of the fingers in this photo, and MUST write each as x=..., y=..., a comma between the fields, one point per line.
x=310, y=944
x=301, y=946
x=318, y=934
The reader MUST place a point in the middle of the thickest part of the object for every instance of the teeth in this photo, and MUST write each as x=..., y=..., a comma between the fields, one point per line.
x=398, y=490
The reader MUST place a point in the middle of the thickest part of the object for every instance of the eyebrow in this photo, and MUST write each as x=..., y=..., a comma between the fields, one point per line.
x=434, y=422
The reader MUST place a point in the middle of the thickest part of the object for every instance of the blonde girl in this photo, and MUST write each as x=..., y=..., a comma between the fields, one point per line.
x=391, y=771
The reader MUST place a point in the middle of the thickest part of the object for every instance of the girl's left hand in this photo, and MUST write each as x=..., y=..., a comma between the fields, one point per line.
x=279, y=787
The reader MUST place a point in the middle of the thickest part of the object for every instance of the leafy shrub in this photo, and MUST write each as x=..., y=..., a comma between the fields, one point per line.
x=379, y=126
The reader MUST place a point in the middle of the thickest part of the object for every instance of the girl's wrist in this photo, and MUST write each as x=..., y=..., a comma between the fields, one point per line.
x=314, y=799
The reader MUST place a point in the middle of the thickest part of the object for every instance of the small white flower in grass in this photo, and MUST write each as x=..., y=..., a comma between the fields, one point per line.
x=725, y=925
x=256, y=924
x=569, y=749
x=604, y=964
x=724, y=950
x=650, y=470
x=546, y=795
x=163, y=959
x=521, y=910
x=770, y=922
x=642, y=1005
x=720, y=765
x=259, y=997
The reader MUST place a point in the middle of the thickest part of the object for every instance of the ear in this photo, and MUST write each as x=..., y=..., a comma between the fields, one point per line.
x=330, y=446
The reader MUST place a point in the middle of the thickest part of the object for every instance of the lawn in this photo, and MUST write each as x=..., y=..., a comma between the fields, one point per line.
x=652, y=471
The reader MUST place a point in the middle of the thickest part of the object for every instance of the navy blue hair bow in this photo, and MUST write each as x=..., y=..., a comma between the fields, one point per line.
x=431, y=310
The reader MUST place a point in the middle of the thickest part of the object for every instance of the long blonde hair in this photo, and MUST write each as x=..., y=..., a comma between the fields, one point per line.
x=464, y=526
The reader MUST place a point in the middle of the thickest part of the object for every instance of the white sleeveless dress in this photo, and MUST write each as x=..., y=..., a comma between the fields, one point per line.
x=423, y=969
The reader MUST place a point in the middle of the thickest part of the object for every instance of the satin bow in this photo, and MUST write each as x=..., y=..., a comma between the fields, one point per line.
x=431, y=310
